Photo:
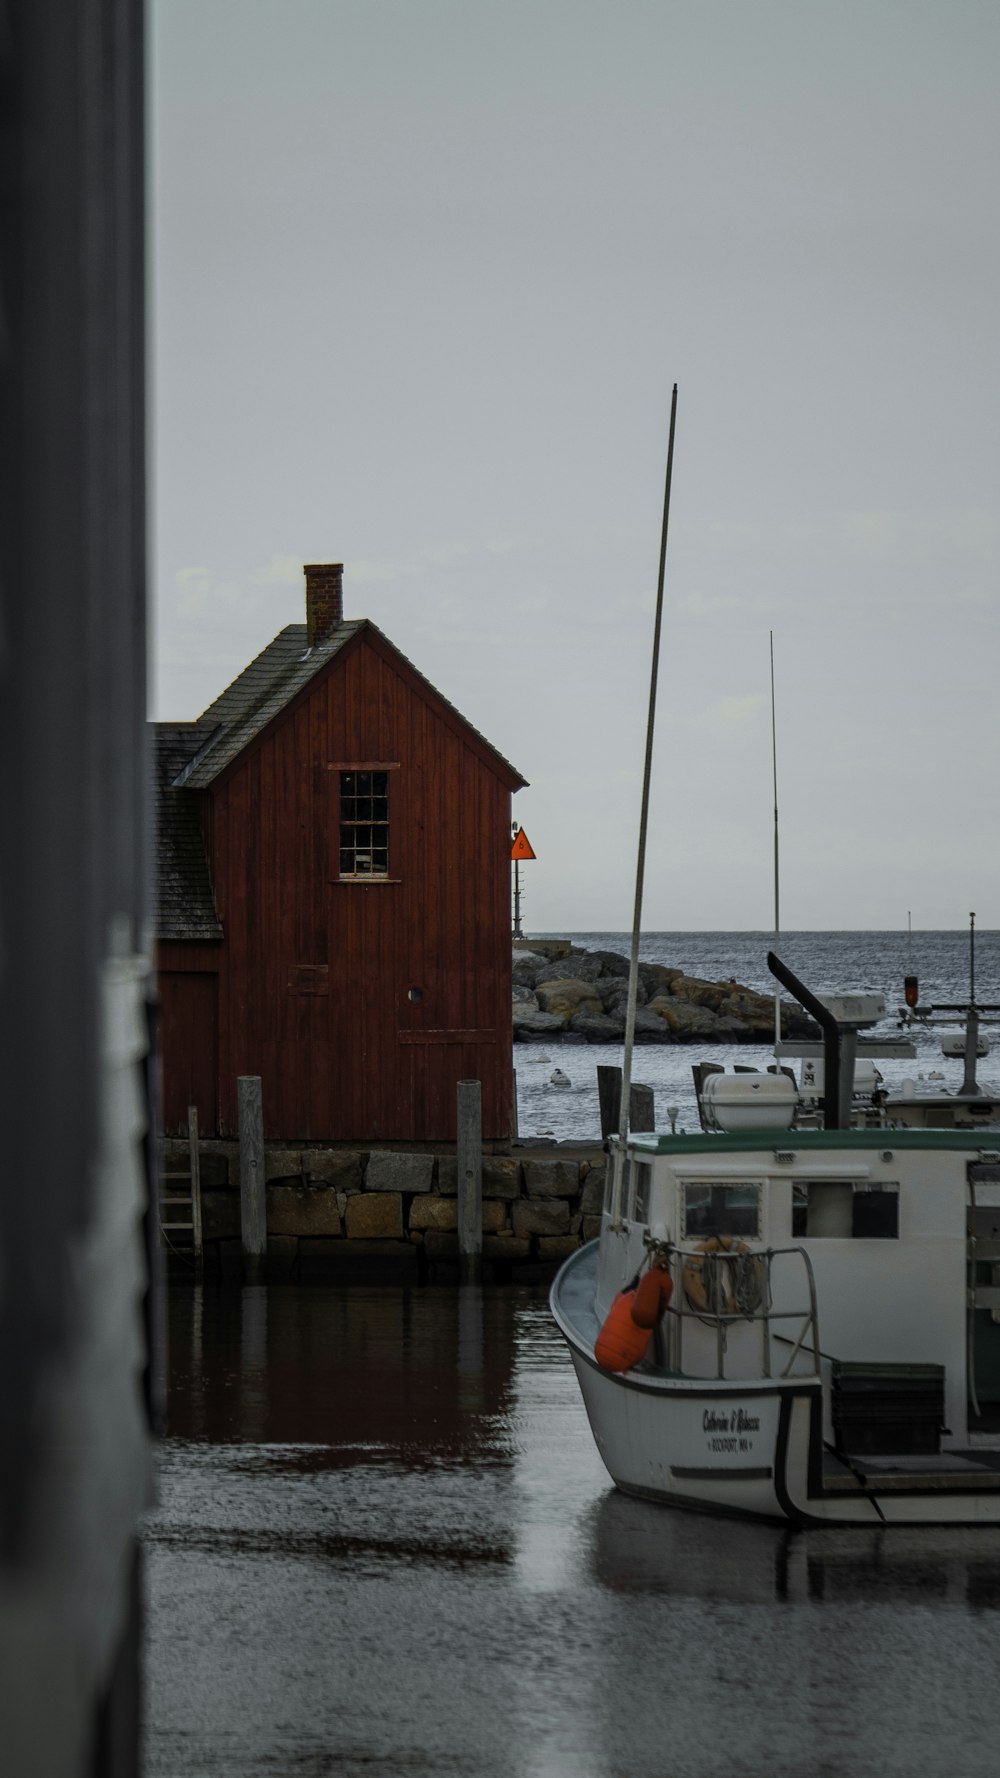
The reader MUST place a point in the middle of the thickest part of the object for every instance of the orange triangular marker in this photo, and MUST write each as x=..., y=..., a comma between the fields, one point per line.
x=521, y=848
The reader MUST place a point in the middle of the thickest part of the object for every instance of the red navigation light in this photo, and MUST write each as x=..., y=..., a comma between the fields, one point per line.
x=911, y=990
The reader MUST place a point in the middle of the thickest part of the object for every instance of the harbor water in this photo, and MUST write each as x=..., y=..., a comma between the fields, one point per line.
x=385, y=1545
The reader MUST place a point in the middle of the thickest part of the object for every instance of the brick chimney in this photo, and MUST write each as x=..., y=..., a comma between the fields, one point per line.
x=324, y=599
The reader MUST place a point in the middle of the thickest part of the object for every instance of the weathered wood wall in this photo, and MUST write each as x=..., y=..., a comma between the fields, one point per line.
x=189, y=1034
x=314, y=973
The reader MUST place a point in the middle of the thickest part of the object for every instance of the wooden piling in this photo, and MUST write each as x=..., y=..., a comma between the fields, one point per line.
x=253, y=1203
x=470, y=1181
x=609, y=1093
x=195, y=1165
x=640, y=1114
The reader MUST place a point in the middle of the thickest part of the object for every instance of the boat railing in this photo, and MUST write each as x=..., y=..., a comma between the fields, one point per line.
x=736, y=1285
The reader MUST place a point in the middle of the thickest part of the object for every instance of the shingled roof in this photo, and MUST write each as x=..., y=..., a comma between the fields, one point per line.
x=185, y=904
x=269, y=683
x=261, y=692
x=190, y=756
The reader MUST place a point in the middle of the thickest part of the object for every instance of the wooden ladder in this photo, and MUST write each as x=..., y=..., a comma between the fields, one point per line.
x=180, y=1201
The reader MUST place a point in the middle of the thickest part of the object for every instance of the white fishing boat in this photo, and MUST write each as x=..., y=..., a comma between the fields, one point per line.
x=793, y=1323
x=828, y=1352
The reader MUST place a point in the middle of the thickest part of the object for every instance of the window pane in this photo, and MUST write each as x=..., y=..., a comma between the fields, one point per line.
x=721, y=1210
x=875, y=1216
x=364, y=824
x=643, y=1174
x=609, y=1177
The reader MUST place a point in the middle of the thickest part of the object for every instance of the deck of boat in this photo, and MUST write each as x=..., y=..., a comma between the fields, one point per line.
x=574, y=1288
x=947, y=1470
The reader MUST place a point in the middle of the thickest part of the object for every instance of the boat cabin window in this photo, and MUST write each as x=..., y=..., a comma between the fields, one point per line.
x=845, y=1208
x=711, y=1209
x=640, y=1179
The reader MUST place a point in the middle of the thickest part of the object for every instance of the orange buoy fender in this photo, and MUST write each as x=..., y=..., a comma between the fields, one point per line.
x=655, y=1288
x=620, y=1343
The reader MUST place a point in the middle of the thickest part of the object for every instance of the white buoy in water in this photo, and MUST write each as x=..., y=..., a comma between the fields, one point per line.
x=558, y=1079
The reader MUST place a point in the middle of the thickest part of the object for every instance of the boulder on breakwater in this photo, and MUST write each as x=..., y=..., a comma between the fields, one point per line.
x=569, y=995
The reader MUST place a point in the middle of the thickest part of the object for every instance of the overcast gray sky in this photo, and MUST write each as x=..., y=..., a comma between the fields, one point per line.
x=424, y=272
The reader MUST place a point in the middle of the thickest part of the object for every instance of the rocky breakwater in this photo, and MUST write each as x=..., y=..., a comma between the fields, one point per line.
x=569, y=995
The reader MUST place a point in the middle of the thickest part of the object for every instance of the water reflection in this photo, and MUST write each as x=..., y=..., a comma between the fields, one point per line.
x=423, y=1374
x=639, y=1548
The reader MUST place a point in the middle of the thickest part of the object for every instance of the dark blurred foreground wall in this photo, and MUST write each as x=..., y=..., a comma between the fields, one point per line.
x=75, y=1386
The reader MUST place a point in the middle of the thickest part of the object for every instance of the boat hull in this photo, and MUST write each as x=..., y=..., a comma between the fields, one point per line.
x=751, y=1447
x=718, y=1450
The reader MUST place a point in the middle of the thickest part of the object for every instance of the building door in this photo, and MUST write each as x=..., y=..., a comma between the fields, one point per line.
x=189, y=1046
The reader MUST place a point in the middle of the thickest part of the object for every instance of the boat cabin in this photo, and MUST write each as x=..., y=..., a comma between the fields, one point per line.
x=833, y=1249
x=796, y=1322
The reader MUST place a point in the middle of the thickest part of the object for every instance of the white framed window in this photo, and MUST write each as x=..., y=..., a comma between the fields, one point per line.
x=713, y=1207
x=364, y=823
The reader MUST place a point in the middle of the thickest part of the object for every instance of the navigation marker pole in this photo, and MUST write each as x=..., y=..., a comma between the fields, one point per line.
x=520, y=850
x=633, y=973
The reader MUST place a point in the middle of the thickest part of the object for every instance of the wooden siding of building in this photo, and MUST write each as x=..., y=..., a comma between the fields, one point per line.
x=315, y=972
x=188, y=984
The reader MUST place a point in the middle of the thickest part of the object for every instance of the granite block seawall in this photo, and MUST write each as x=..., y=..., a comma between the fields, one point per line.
x=373, y=1215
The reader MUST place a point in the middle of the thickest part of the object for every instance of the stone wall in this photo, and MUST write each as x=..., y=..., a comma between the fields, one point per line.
x=354, y=1215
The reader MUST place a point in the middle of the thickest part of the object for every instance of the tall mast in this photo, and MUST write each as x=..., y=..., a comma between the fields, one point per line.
x=633, y=974
x=969, y=1085
x=777, y=913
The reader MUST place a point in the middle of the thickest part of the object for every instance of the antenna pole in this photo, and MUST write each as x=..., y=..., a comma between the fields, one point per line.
x=777, y=913
x=633, y=974
x=969, y=1085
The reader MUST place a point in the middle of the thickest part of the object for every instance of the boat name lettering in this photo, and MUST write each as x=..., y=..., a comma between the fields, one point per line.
x=738, y=1421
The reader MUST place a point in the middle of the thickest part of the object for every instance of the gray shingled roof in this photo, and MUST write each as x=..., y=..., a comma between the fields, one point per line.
x=185, y=904
x=259, y=694
x=267, y=685
x=189, y=756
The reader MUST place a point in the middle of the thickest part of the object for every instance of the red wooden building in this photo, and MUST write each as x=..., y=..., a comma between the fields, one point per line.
x=334, y=894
